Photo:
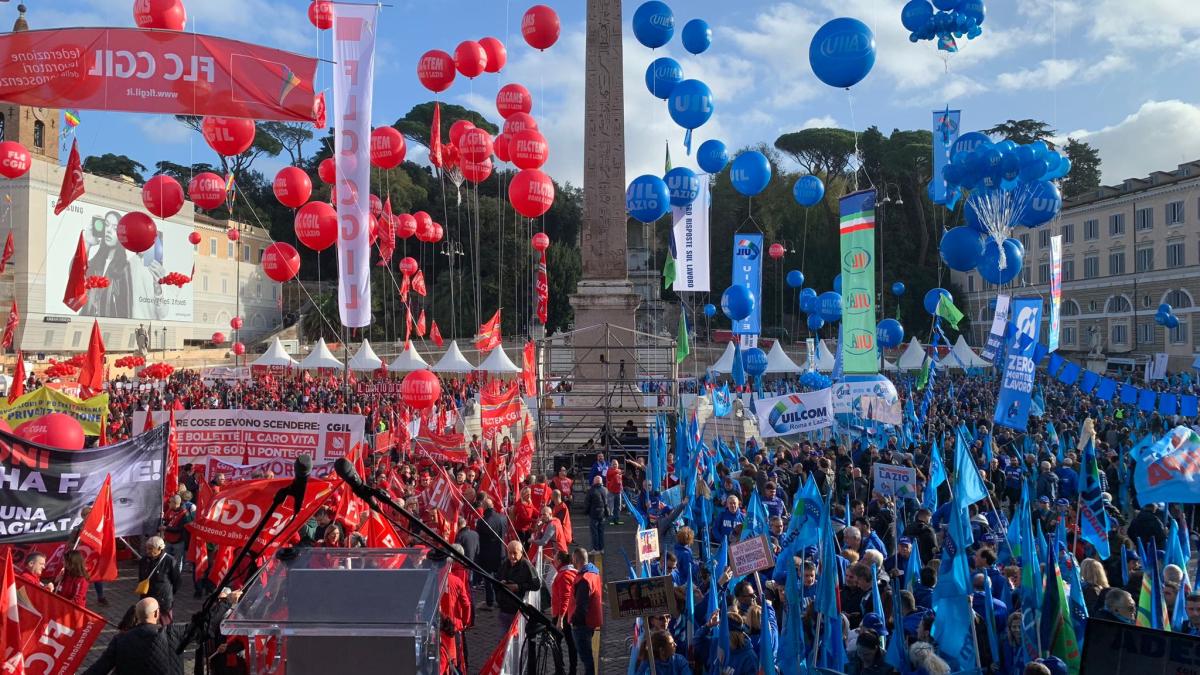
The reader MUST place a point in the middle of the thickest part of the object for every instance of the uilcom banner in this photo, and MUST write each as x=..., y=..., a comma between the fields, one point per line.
x=794, y=413
x=858, y=351
x=155, y=71
x=256, y=435
x=43, y=489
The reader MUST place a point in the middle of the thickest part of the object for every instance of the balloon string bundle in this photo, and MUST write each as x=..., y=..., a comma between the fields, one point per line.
x=997, y=211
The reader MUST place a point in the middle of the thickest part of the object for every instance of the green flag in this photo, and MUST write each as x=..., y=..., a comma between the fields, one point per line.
x=669, y=271
x=948, y=311
x=923, y=376
x=682, y=346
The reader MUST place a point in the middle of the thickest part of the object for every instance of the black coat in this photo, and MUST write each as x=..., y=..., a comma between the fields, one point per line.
x=1147, y=527
x=596, y=503
x=148, y=649
x=469, y=540
x=923, y=535
x=164, y=579
x=491, y=529
x=523, y=575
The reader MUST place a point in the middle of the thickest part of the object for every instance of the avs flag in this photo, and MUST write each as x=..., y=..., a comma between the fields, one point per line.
x=1169, y=471
x=1016, y=388
x=856, y=343
x=1093, y=519
x=794, y=413
x=747, y=271
x=1056, y=254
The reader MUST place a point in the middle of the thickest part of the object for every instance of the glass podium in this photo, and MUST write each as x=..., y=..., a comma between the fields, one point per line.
x=349, y=610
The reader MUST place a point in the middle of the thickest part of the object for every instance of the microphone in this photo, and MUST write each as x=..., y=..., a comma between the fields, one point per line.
x=345, y=470
x=302, y=467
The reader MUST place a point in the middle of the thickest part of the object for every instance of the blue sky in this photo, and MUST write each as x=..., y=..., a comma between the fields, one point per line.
x=1119, y=75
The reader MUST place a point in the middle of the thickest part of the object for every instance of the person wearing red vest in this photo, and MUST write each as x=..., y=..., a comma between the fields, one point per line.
x=562, y=511
x=562, y=592
x=523, y=515
x=549, y=534
x=455, y=608
x=614, y=481
x=587, y=608
x=563, y=483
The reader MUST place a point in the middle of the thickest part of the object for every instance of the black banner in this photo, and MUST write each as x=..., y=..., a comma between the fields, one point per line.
x=43, y=489
x=1117, y=648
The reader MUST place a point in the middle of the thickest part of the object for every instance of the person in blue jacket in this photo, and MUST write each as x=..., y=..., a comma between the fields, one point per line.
x=742, y=659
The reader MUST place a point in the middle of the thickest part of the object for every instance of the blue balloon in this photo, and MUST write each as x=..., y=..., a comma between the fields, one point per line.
x=712, y=156
x=837, y=284
x=1165, y=308
x=973, y=10
x=815, y=322
x=1042, y=204
x=961, y=248
x=969, y=142
x=808, y=191
x=653, y=24
x=647, y=199
x=946, y=5
x=754, y=361
x=737, y=302
x=971, y=214
x=898, y=289
x=1053, y=159
x=1061, y=171
x=691, y=104
x=710, y=310
x=916, y=14
x=989, y=264
x=750, y=173
x=795, y=279
x=683, y=184
x=842, y=52
x=1034, y=170
x=889, y=333
x=662, y=75
x=933, y=297
x=1161, y=319
x=829, y=305
x=1040, y=148
x=697, y=36
x=1172, y=322
x=808, y=300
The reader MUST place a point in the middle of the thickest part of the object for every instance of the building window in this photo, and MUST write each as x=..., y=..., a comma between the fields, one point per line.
x=1044, y=238
x=1120, y=334
x=229, y=250
x=260, y=255
x=1091, y=267
x=1026, y=276
x=1025, y=242
x=1144, y=261
x=970, y=283
x=1116, y=263
x=1068, y=270
x=224, y=286
x=1091, y=229
x=49, y=338
x=77, y=338
x=1175, y=255
x=245, y=253
x=212, y=246
x=1044, y=273
x=1116, y=224
x=1179, y=334
x=205, y=279
x=1070, y=308
x=1068, y=335
x=1143, y=219
x=1145, y=333
x=1174, y=213
x=1068, y=233
x=39, y=134
x=1178, y=300
x=1118, y=304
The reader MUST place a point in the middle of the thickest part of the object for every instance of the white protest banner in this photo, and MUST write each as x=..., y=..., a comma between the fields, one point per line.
x=879, y=409
x=274, y=468
x=750, y=555
x=794, y=413
x=691, y=243
x=995, y=338
x=247, y=436
x=895, y=481
x=647, y=545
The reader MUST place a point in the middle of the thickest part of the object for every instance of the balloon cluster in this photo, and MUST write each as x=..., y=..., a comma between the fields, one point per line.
x=436, y=69
x=156, y=371
x=689, y=102
x=821, y=309
x=60, y=369
x=176, y=279
x=956, y=19
x=1166, y=318
x=814, y=380
x=130, y=361
x=96, y=282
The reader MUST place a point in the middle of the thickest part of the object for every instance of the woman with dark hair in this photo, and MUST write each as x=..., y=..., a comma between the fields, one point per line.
x=75, y=578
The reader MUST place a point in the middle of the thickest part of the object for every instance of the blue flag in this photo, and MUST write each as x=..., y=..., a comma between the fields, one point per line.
x=803, y=528
x=969, y=486
x=1174, y=556
x=738, y=371
x=1093, y=519
x=989, y=610
x=721, y=400
x=831, y=650
x=791, y=637
x=952, y=630
x=912, y=570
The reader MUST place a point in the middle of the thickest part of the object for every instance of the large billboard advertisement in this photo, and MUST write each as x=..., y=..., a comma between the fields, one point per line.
x=133, y=290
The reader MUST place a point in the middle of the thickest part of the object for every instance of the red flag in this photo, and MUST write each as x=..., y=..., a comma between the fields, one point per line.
x=435, y=136
x=495, y=662
x=10, y=248
x=435, y=334
x=387, y=234
x=408, y=325
x=171, y=480
x=72, y=185
x=418, y=284
x=380, y=533
x=97, y=537
x=149, y=426
x=523, y=460
x=499, y=408
x=319, y=118
x=10, y=328
x=91, y=373
x=56, y=634
x=10, y=614
x=489, y=334
x=75, y=295
x=541, y=285
x=529, y=368
x=421, y=324
x=404, y=286
x=17, y=389
x=223, y=522
x=103, y=430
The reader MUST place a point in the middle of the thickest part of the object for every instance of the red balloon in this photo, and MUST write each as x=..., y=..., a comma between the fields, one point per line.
x=518, y=122
x=513, y=98
x=408, y=266
x=194, y=238
x=476, y=172
x=238, y=349
x=327, y=171
x=540, y=27
x=232, y=234
x=435, y=70
x=316, y=225
x=425, y=232
x=437, y=233
x=14, y=159
x=57, y=430
x=420, y=389
x=406, y=226
x=776, y=251
x=376, y=206
x=387, y=147
x=236, y=322
x=218, y=338
x=541, y=242
x=136, y=231
x=373, y=230
x=457, y=130
x=475, y=145
x=162, y=196
x=470, y=59
x=162, y=14
x=229, y=136
x=501, y=147
x=424, y=222
x=531, y=193
x=497, y=55
x=281, y=262
x=320, y=14
x=207, y=190
x=529, y=149
x=292, y=187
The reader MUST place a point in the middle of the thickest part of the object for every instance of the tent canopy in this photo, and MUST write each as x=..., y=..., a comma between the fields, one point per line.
x=453, y=361
x=320, y=357
x=962, y=356
x=408, y=361
x=498, y=362
x=365, y=359
x=913, y=357
x=779, y=362
x=275, y=356
x=725, y=363
x=825, y=361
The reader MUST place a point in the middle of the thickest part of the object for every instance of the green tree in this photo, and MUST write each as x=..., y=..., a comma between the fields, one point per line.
x=417, y=124
x=1085, y=169
x=115, y=166
x=1023, y=132
x=265, y=143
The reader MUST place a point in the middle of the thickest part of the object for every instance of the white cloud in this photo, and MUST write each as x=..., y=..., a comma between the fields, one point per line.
x=823, y=122
x=1148, y=24
x=1047, y=75
x=165, y=130
x=1159, y=136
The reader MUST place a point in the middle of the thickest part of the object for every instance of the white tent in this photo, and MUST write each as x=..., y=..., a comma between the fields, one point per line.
x=320, y=357
x=498, y=362
x=725, y=363
x=962, y=356
x=365, y=360
x=275, y=356
x=913, y=357
x=408, y=361
x=453, y=361
x=779, y=362
x=889, y=367
x=825, y=361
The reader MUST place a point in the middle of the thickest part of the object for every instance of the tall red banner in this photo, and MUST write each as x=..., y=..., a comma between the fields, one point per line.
x=155, y=71
x=499, y=409
x=541, y=285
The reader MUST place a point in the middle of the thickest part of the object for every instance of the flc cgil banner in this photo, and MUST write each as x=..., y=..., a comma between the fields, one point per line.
x=691, y=243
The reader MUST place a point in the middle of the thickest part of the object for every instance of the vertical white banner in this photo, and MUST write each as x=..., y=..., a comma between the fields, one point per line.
x=691, y=242
x=1055, y=291
x=353, y=84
